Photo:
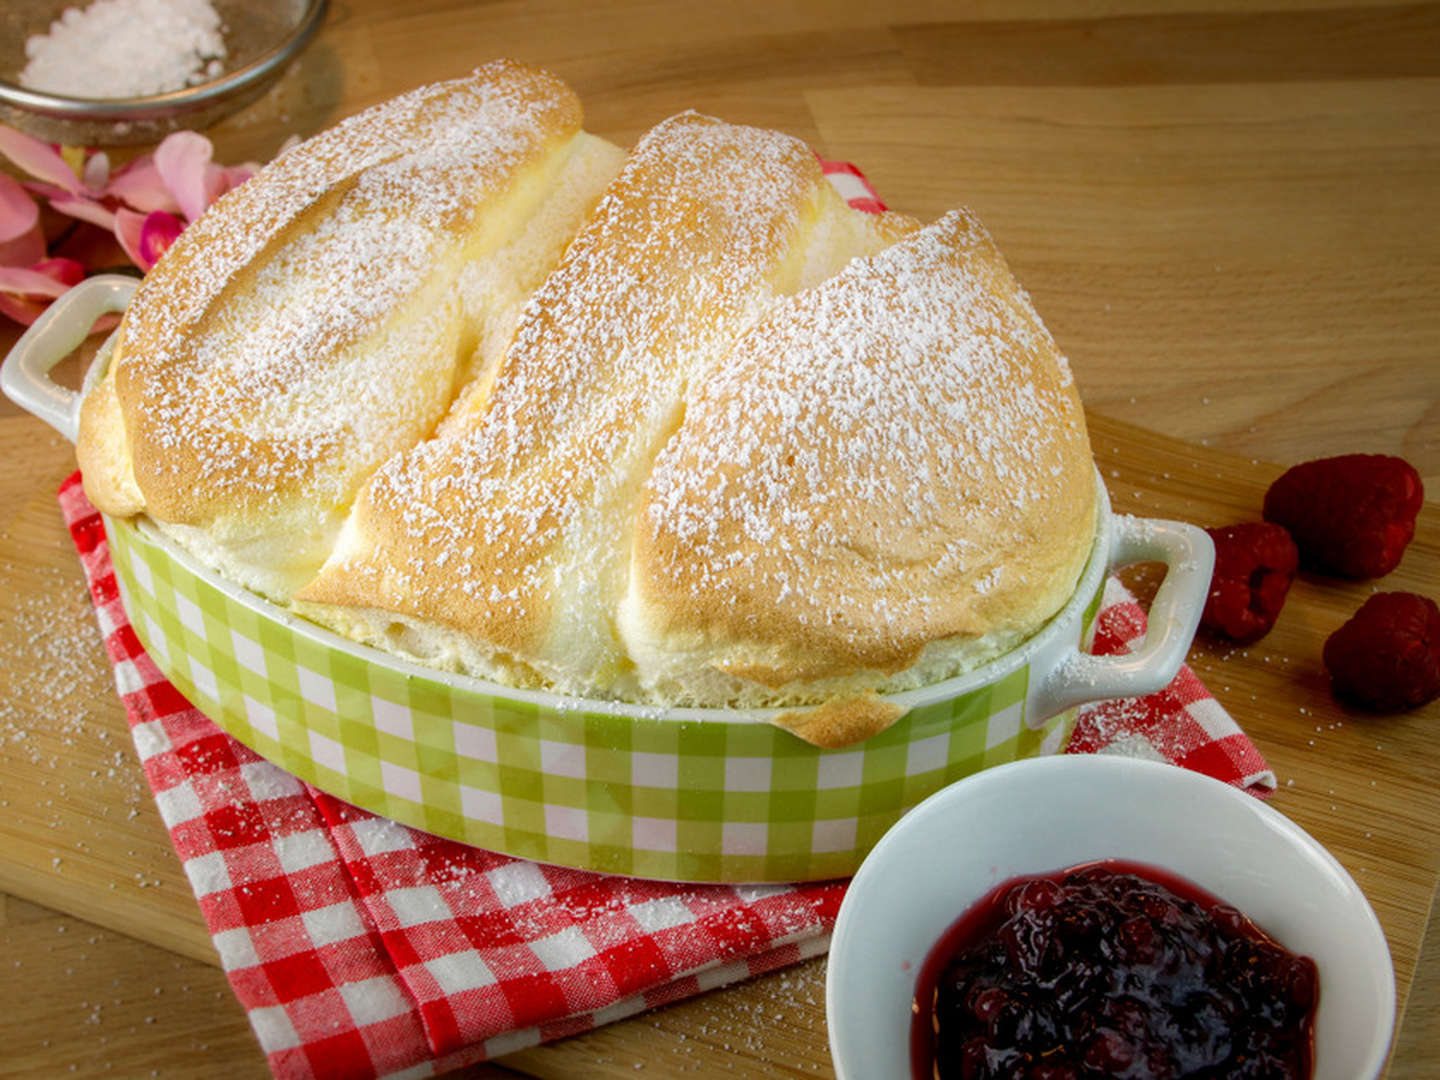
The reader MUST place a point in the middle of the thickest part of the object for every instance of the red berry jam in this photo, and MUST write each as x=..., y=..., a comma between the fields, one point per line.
x=1111, y=970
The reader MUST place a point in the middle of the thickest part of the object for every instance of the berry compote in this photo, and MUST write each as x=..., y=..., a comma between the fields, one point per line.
x=1111, y=970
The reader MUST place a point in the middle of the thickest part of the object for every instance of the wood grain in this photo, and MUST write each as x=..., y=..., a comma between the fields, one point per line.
x=1192, y=47
x=1368, y=788
x=1226, y=215
x=1190, y=266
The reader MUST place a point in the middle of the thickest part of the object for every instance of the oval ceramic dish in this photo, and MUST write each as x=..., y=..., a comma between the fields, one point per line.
x=684, y=794
x=1035, y=817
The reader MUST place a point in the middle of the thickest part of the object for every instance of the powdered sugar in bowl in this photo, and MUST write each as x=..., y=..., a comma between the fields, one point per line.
x=165, y=64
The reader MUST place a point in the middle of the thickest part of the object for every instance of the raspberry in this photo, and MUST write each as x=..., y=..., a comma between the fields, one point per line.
x=1387, y=657
x=1254, y=565
x=1350, y=515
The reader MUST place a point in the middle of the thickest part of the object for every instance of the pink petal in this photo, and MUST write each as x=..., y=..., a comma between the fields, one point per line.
x=24, y=294
x=49, y=277
x=65, y=270
x=43, y=190
x=27, y=248
x=235, y=175
x=78, y=206
x=24, y=312
x=184, y=163
x=97, y=172
x=23, y=282
x=140, y=186
x=217, y=183
x=157, y=234
x=128, y=224
x=145, y=237
x=39, y=159
x=18, y=212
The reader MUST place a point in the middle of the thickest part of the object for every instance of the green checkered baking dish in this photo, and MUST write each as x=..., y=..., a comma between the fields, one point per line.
x=683, y=794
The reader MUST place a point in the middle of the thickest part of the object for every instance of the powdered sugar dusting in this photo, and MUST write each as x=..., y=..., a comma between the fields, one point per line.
x=244, y=348
x=527, y=509
x=873, y=455
x=858, y=462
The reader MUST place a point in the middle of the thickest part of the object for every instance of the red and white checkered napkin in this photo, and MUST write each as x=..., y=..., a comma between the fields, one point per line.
x=362, y=948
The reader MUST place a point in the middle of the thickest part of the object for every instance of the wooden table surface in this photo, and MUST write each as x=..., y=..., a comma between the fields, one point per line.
x=1228, y=218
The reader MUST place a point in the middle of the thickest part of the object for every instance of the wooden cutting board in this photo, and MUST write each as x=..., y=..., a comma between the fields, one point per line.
x=79, y=832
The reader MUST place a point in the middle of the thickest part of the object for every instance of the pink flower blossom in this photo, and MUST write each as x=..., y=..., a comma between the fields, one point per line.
x=144, y=206
x=18, y=212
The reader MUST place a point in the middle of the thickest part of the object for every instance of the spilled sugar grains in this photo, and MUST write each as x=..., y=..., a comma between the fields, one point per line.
x=54, y=718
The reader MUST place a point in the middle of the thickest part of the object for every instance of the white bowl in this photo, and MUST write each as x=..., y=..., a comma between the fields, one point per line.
x=1046, y=814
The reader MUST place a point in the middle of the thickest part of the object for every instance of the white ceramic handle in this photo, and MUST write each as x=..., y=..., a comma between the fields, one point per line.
x=25, y=376
x=1189, y=558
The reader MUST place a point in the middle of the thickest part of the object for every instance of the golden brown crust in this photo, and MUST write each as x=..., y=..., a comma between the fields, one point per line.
x=256, y=375
x=714, y=461
x=841, y=722
x=887, y=465
x=513, y=526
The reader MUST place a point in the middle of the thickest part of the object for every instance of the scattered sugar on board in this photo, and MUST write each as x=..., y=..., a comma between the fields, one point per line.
x=95, y=981
x=52, y=638
x=743, y=1026
x=126, y=48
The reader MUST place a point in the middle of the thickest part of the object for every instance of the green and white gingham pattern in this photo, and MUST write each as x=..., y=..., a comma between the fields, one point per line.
x=649, y=797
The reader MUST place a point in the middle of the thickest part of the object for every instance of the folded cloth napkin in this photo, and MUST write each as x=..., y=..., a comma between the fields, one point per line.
x=363, y=948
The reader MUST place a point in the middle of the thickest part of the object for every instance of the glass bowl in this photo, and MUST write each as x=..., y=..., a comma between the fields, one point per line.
x=261, y=38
